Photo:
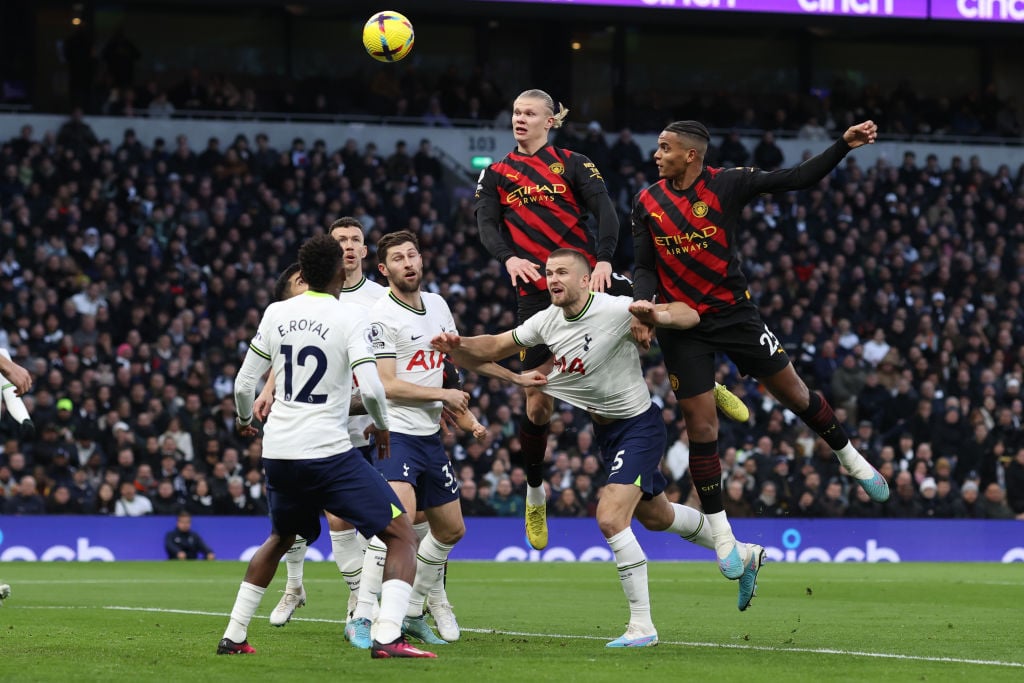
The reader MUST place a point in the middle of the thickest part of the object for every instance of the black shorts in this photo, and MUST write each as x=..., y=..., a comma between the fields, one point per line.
x=740, y=334
x=531, y=304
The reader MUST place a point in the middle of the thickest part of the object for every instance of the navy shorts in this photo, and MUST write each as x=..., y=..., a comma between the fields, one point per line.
x=345, y=485
x=422, y=462
x=741, y=335
x=531, y=304
x=632, y=450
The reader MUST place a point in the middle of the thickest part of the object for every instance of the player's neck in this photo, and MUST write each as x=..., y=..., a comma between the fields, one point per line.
x=686, y=181
x=352, y=279
x=531, y=146
x=410, y=299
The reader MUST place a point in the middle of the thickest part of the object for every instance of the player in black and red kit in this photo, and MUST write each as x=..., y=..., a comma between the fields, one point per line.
x=530, y=203
x=684, y=233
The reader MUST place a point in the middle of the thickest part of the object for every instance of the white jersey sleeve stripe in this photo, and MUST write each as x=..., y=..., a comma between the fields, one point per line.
x=259, y=352
x=362, y=361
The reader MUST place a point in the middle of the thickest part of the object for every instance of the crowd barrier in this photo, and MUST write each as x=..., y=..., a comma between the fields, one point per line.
x=86, y=538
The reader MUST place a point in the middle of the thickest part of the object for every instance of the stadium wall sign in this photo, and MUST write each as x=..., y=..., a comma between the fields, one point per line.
x=106, y=539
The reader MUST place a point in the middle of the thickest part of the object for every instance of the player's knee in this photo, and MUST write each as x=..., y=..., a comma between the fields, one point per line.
x=539, y=409
x=611, y=524
x=450, y=535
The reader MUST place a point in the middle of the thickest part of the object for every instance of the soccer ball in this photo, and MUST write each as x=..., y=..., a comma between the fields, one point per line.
x=388, y=36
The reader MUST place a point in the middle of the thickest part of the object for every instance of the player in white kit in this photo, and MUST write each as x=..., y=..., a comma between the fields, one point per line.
x=401, y=326
x=314, y=345
x=596, y=366
x=348, y=547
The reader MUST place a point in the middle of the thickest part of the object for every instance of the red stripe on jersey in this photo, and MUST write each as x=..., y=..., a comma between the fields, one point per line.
x=540, y=208
x=707, y=196
x=693, y=251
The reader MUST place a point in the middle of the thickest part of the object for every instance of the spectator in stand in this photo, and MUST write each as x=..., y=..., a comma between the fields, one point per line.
x=166, y=500
x=26, y=500
x=201, y=501
x=767, y=155
x=60, y=502
x=132, y=503
x=105, y=502
x=472, y=505
x=993, y=504
x=506, y=503
x=181, y=543
x=736, y=503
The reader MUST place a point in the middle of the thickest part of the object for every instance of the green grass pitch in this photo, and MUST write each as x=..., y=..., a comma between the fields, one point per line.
x=535, y=622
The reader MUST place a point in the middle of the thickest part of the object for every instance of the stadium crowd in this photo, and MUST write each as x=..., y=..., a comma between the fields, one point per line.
x=134, y=276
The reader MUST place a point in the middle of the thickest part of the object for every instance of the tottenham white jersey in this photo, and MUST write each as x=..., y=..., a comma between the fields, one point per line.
x=313, y=342
x=597, y=365
x=401, y=332
x=365, y=293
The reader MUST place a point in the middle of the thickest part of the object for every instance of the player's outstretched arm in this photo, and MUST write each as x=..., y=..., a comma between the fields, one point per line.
x=675, y=314
x=467, y=351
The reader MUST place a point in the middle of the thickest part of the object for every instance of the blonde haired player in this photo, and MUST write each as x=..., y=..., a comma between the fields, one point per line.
x=535, y=200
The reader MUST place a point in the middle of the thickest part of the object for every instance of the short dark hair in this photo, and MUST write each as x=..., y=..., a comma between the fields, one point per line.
x=283, y=281
x=576, y=254
x=346, y=222
x=694, y=131
x=393, y=239
x=319, y=259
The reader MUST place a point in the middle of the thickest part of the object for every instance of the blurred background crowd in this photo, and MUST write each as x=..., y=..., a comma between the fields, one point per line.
x=134, y=276
x=134, y=269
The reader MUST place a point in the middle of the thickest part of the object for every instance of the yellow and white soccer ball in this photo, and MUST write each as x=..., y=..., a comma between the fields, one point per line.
x=388, y=36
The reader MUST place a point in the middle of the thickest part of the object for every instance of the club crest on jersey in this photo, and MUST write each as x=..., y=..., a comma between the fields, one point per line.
x=557, y=167
x=700, y=209
x=673, y=382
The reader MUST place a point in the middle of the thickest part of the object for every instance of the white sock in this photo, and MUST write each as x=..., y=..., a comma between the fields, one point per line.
x=15, y=406
x=692, y=526
x=294, y=561
x=394, y=600
x=535, y=495
x=631, y=564
x=348, y=555
x=372, y=576
x=721, y=533
x=246, y=604
x=437, y=593
x=430, y=559
x=854, y=462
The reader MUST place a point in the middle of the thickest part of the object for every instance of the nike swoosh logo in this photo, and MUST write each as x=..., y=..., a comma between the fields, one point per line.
x=416, y=336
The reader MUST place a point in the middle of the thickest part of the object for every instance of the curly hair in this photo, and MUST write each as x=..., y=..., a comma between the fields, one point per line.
x=319, y=260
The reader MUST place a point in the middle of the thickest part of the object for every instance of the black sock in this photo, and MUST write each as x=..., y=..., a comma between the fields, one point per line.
x=821, y=419
x=706, y=470
x=534, y=441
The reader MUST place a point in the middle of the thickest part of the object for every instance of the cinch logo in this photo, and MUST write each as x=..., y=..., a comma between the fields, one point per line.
x=791, y=552
x=514, y=553
x=82, y=552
